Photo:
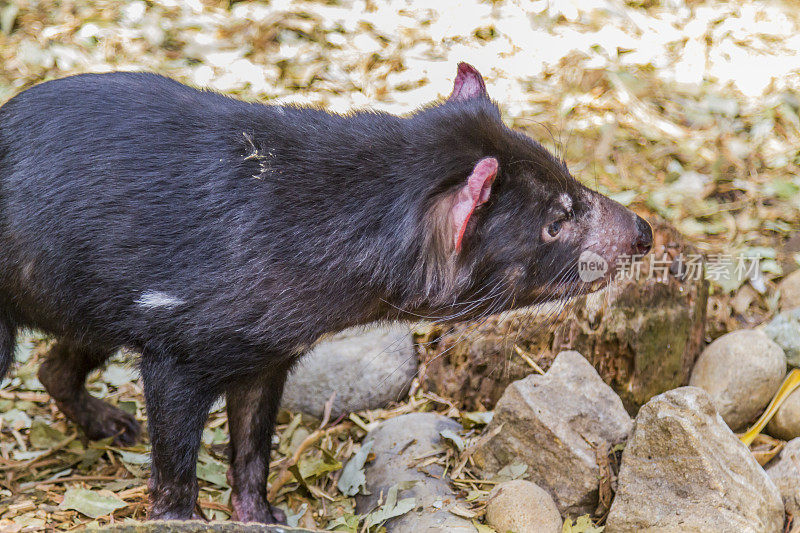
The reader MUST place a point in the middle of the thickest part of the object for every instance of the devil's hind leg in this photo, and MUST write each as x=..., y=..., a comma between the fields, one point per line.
x=64, y=373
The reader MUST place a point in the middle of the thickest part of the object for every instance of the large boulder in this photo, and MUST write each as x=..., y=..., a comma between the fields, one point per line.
x=366, y=368
x=788, y=254
x=785, y=473
x=522, y=507
x=784, y=329
x=642, y=334
x=786, y=422
x=789, y=289
x=398, y=444
x=557, y=424
x=741, y=371
x=684, y=470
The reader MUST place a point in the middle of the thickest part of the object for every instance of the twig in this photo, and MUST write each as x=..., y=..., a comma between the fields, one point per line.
x=36, y=397
x=527, y=359
x=67, y=479
x=475, y=481
x=284, y=475
x=199, y=510
x=208, y=504
x=465, y=456
x=30, y=462
x=127, y=493
x=326, y=412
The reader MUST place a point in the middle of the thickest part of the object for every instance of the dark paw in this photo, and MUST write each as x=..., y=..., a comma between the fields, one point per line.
x=174, y=515
x=102, y=420
x=278, y=516
x=255, y=509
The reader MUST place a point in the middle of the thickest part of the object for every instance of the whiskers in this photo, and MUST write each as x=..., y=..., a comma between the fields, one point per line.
x=558, y=293
x=469, y=305
x=499, y=298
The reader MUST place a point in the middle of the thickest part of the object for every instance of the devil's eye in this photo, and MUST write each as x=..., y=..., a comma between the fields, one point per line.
x=554, y=228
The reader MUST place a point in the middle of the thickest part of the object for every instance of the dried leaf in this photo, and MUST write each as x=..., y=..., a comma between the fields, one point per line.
x=314, y=467
x=509, y=472
x=483, y=528
x=582, y=524
x=353, y=478
x=134, y=458
x=43, y=436
x=392, y=508
x=453, y=438
x=476, y=418
x=117, y=375
x=91, y=503
x=214, y=472
x=463, y=512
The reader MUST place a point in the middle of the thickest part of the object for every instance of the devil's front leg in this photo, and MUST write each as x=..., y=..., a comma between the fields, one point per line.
x=178, y=398
x=252, y=407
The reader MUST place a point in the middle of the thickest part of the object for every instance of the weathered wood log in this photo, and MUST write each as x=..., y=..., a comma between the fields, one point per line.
x=196, y=526
x=642, y=335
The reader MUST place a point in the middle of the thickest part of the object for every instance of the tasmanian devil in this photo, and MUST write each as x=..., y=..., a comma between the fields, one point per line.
x=221, y=239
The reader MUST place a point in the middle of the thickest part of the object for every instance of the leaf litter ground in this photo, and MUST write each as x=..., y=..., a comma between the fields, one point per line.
x=686, y=111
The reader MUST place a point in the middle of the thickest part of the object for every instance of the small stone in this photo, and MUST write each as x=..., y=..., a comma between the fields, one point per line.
x=789, y=288
x=741, y=371
x=784, y=329
x=367, y=370
x=683, y=457
x=522, y=507
x=784, y=471
x=786, y=422
x=556, y=424
x=398, y=444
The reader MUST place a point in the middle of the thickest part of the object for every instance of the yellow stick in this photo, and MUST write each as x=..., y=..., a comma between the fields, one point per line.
x=788, y=386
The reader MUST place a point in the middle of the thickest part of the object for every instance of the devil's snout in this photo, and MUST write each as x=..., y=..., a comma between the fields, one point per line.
x=644, y=237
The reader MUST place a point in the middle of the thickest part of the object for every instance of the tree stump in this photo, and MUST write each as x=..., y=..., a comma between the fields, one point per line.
x=642, y=335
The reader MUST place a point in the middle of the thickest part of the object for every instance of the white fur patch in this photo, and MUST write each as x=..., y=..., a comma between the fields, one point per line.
x=154, y=299
x=566, y=201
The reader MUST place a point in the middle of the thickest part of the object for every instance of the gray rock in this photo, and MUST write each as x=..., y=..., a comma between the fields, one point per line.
x=684, y=470
x=789, y=288
x=398, y=444
x=784, y=471
x=522, y=507
x=367, y=369
x=741, y=371
x=554, y=424
x=786, y=422
x=784, y=329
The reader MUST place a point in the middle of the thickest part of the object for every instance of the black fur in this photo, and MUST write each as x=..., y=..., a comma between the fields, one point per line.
x=221, y=239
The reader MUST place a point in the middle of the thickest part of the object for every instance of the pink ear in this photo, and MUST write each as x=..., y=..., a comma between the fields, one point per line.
x=471, y=195
x=469, y=84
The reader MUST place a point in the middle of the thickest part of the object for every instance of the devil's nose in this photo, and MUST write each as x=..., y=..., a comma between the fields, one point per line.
x=644, y=237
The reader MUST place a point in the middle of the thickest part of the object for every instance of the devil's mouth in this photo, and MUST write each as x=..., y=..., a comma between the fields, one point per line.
x=572, y=289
